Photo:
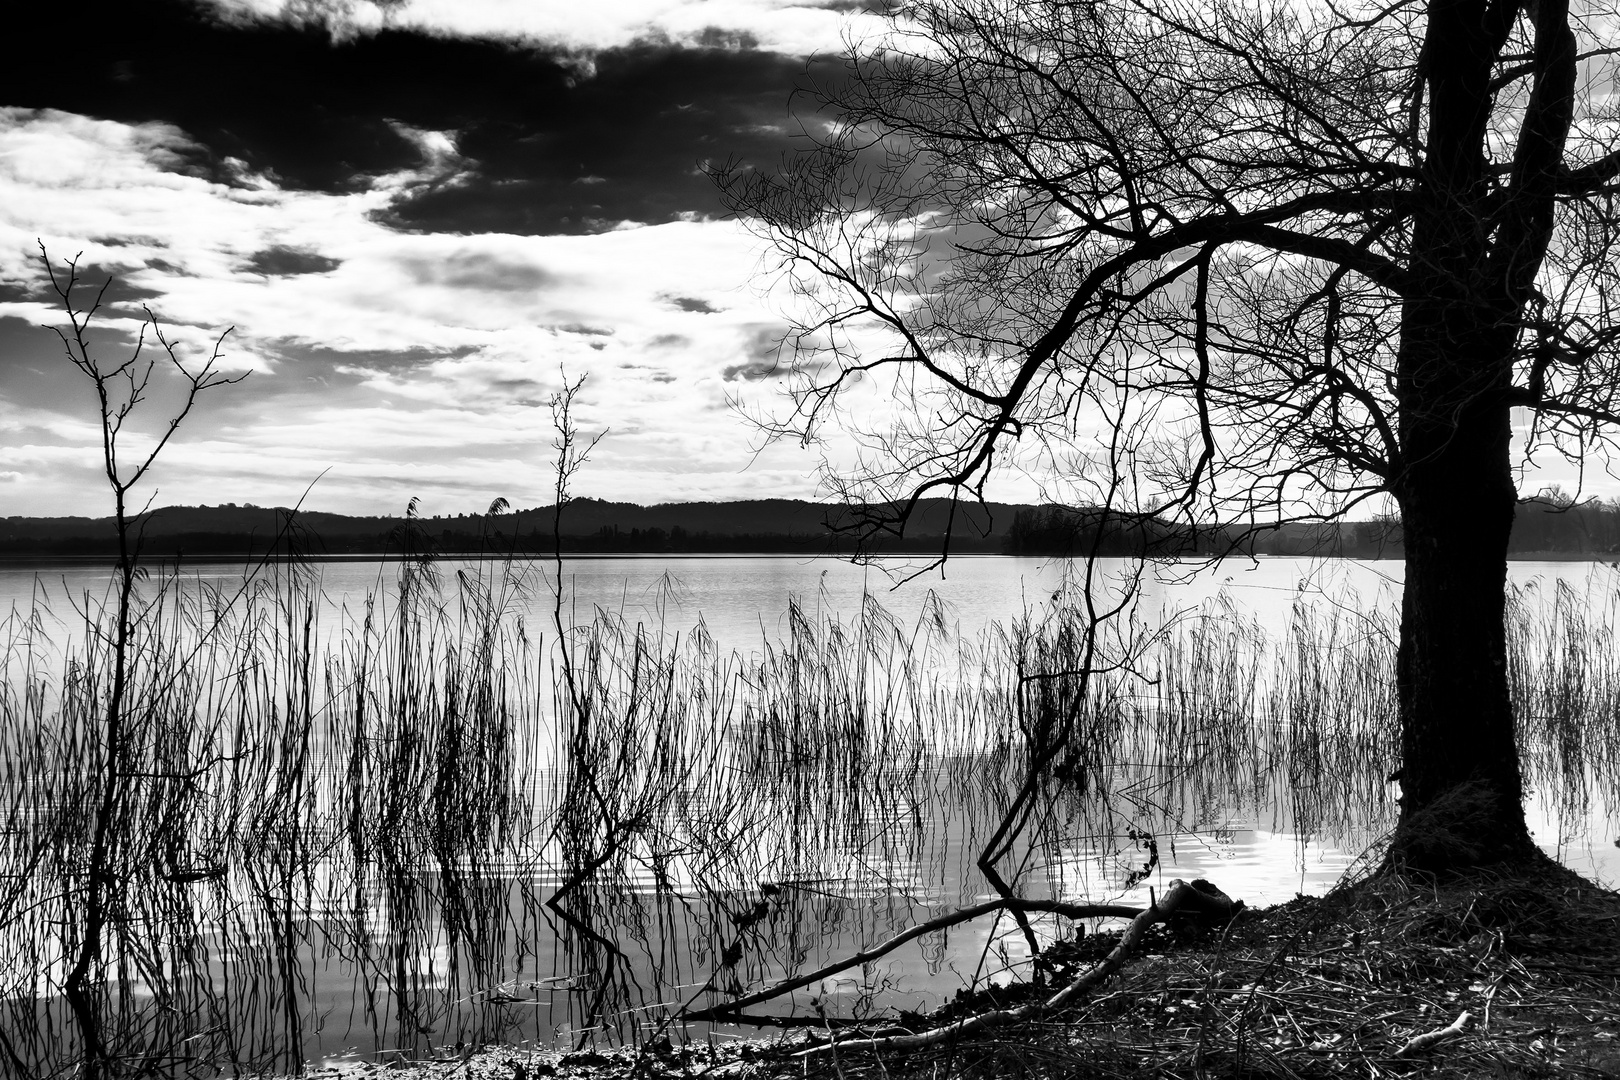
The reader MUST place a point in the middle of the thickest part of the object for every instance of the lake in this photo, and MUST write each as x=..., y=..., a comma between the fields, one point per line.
x=791, y=760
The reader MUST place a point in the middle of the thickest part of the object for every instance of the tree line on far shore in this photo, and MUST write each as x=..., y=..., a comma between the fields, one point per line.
x=1551, y=523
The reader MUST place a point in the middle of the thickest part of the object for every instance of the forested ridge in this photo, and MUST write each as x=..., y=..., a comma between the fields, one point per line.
x=587, y=525
x=1551, y=524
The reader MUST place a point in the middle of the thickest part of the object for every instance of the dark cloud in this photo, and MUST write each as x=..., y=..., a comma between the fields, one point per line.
x=127, y=241
x=763, y=346
x=119, y=294
x=480, y=273
x=12, y=292
x=293, y=353
x=515, y=384
x=548, y=143
x=764, y=343
x=752, y=372
x=876, y=7
x=37, y=379
x=282, y=98
x=693, y=304
x=622, y=145
x=111, y=283
x=281, y=261
x=717, y=37
x=28, y=345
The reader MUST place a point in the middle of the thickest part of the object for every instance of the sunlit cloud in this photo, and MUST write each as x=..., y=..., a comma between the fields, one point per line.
x=790, y=26
x=395, y=362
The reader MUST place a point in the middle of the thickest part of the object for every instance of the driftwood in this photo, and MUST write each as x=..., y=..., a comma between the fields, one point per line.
x=1429, y=1038
x=729, y=1009
x=1197, y=898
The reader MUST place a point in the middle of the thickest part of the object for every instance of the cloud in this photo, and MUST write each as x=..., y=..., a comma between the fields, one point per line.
x=751, y=372
x=762, y=345
x=693, y=304
x=478, y=271
x=495, y=123
x=278, y=260
x=414, y=364
x=623, y=145
x=796, y=27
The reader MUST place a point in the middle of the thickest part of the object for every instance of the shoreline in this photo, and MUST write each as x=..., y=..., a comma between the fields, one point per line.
x=1510, y=975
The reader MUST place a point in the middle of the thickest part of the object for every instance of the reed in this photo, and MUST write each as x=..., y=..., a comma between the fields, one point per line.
x=406, y=784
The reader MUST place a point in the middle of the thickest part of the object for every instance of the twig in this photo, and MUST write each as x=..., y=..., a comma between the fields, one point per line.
x=1429, y=1038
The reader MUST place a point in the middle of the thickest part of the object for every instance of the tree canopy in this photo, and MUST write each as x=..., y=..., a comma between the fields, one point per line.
x=1231, y=261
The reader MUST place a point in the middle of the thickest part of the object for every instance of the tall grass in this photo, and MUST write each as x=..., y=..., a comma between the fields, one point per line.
x=408, y=789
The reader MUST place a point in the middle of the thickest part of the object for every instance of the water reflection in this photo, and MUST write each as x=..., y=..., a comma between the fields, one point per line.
x=366, y=838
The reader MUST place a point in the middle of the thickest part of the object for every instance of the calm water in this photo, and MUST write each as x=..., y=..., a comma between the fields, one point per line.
x=744, y=599
x=355, y=958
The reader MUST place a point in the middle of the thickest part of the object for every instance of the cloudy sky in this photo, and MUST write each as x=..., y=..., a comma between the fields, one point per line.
x=415, y=217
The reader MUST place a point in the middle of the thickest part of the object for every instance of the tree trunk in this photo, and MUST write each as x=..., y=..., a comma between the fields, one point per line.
x=1462, y=796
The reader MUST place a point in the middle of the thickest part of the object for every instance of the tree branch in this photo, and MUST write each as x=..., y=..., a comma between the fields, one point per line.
x=941, y=922
x=1198, y=897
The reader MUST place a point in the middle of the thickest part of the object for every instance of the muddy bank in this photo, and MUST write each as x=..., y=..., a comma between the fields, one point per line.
x=1511, y=976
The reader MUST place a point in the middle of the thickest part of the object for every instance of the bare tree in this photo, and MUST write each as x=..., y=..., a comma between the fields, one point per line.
x=121, y=387
x=1317, y=253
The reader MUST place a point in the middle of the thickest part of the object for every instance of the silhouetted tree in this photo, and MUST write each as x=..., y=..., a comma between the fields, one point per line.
x=122, y=388
x=1286, y=257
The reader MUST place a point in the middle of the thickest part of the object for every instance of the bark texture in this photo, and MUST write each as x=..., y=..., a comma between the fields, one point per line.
x=1461, y=789
x=1462, y=792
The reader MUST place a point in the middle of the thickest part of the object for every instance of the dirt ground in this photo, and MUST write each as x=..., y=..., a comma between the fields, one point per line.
x=1338, y=986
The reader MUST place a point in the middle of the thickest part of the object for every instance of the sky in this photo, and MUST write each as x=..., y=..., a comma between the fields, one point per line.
x=419, y=218
x=416, y=218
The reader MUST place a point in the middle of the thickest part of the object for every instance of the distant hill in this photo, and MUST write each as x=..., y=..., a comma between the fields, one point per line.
x=588, y=525
x=1541, y=529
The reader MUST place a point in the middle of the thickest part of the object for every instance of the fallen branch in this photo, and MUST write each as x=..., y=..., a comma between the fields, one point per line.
x=1196, y=897
x=942, y=922
x=1429, y=1038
